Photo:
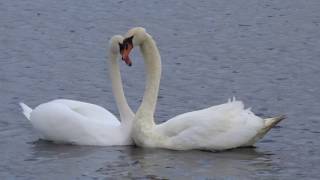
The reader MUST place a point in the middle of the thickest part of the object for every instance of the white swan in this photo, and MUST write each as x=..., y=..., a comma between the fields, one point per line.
x=219, y=127
x=75, y=122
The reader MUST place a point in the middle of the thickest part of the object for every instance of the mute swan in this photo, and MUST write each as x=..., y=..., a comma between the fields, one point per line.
x=218, y=127
x=75, y=122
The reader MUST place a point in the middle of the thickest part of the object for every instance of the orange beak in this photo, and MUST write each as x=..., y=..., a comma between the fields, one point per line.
x=125, y=54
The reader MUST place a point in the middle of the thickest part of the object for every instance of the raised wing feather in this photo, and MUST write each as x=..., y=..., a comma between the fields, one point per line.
x=218, y=126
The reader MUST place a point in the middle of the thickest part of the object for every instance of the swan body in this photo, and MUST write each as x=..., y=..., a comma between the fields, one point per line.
x=80, y=123
x=219, y=127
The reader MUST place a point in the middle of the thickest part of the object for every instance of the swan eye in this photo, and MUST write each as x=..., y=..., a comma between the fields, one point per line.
x=121, y=47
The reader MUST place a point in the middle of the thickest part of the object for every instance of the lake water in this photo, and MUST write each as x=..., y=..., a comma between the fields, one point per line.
x=266, y=53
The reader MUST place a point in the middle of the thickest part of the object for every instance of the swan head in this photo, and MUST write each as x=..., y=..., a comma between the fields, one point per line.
x=134, y=37
x=116, y=44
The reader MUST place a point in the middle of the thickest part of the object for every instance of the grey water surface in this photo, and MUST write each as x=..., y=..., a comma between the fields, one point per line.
x=266, y=53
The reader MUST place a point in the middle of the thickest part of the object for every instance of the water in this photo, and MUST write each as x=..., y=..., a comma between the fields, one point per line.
x=265, y=53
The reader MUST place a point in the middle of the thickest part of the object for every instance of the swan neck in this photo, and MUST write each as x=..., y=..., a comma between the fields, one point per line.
x=152, y=61
x=126, y=114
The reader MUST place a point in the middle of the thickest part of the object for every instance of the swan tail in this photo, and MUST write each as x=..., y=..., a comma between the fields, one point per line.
x=26, y=110
x=269, y=123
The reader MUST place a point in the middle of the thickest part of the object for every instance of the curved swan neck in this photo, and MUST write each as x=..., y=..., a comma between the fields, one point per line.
x=126, y=114
x=152, y=61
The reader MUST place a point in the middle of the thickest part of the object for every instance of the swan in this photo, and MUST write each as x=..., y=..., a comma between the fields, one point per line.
x=80, y=123
x=220, y=127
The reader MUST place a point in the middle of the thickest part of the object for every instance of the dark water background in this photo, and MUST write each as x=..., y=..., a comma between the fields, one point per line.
x=265, y=53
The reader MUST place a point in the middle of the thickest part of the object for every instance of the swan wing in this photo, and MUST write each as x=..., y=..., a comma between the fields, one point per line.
x=90, y=111
x=58, y=122
x=218, y=127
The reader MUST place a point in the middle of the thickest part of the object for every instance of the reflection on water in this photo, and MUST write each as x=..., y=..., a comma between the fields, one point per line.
x=137, y=162
x=134, y=162
x=46, y=150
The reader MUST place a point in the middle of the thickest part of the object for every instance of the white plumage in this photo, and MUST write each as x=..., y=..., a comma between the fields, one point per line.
x=219, y=127
x=75, y=122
